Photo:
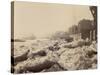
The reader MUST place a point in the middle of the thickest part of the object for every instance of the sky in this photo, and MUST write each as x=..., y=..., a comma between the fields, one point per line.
x=43, y=19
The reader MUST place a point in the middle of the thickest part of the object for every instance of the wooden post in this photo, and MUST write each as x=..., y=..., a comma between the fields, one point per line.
x=94, y=35
x=80, y=36
x=90, y=35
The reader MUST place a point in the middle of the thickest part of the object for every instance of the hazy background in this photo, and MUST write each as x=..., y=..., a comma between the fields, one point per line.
x=42, y=19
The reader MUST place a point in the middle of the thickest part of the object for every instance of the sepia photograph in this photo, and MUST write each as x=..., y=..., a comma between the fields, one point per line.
x=52, y=37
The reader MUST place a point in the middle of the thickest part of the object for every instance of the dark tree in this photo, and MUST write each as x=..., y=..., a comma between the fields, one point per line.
x=84, y=27
x=73, y=29
x=93, y=10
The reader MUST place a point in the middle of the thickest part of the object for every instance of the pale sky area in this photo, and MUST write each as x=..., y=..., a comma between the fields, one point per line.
x=42, y=19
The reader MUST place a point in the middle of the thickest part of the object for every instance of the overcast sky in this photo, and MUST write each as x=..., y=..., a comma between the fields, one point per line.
x=42, y=19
